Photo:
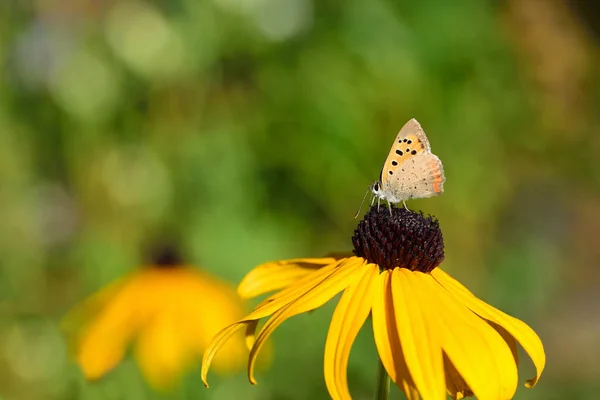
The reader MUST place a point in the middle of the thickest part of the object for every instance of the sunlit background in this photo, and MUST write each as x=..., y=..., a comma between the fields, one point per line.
x=250, y=130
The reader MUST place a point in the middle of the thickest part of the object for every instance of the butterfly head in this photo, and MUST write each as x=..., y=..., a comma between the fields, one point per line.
x=377, y=189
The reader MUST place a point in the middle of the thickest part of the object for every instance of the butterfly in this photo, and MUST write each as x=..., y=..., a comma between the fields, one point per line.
x=411, y=170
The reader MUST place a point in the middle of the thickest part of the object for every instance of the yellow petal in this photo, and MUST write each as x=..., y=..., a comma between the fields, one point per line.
x=344, y=276
x=181, y=328
x=161, y=351
x=250, y=334
x=420, y=343
x=508, y=338
x=456, y=385
x=349, y=316
x=218, y=341
x=286, y=296
x=385, y=332
x=276, y=275
x=477, y=350
x=105, y=338
x=518, y=329
x=269, y=306
x=200, y=305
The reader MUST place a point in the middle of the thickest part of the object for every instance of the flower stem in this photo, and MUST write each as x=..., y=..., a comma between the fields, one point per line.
x=383, y=383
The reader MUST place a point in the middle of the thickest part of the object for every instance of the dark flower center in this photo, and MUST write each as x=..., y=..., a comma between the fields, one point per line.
x=164, y=256
x=403, y=239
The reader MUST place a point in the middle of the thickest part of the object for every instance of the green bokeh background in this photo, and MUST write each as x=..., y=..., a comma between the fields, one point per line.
x=250, y=129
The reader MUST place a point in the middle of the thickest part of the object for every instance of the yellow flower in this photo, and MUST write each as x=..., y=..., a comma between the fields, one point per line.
x=169, y=312
x=433, y=335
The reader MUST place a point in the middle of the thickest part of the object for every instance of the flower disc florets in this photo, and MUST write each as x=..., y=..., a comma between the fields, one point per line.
x=403, y=239
x=165, y=256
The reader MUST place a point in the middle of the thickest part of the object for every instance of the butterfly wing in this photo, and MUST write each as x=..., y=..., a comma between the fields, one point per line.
x=410, y=142
x=411, y=170
x=417, y=177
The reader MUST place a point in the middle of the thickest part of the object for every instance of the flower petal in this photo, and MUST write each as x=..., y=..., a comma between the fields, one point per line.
x=477, y=350
x=343, y=276
x=105, y=337
x=305, y=284
x=385, y=332
x=349, y=316
x=162, y=351
x=250, y=334
x=420, y=343
x=276, y=275
x=518, y=329
x=455, y=384
x=218, y=341
x=508, y=338
x=275, y=303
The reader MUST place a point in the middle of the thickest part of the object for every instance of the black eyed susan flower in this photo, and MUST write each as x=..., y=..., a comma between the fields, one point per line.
x=167, y=310
x=432, y=334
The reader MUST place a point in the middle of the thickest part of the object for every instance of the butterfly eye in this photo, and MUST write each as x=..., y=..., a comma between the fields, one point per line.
x=376, y=186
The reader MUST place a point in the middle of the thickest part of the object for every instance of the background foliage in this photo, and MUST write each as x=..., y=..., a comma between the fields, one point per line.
x=251, y=129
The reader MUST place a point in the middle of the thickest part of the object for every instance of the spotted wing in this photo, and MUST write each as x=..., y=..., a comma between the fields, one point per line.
x=417, y=177
x=410, y=142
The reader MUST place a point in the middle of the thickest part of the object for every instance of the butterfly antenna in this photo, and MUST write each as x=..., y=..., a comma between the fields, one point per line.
x=362, y=202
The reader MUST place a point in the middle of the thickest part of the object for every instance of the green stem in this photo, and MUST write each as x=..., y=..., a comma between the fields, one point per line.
x=383, y=383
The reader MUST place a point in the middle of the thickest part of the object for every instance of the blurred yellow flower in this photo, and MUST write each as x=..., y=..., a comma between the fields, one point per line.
x=169, y=312
x=433, y=335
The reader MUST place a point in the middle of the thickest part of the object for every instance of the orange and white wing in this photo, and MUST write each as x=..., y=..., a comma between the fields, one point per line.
x=410, y=142
x=418, y=177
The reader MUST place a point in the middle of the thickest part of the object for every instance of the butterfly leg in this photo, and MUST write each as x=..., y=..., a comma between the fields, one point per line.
x=378, y=202
x=390, y=208
x=404, y=202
